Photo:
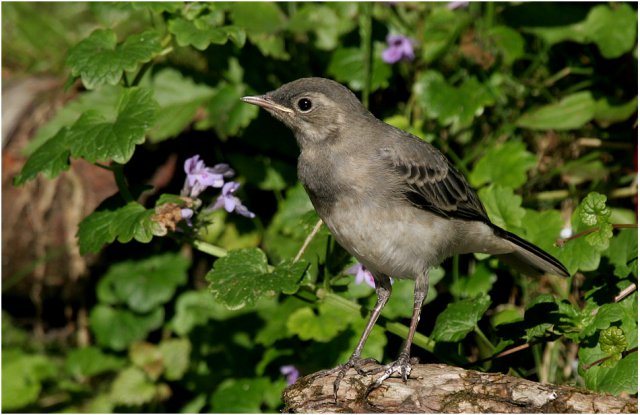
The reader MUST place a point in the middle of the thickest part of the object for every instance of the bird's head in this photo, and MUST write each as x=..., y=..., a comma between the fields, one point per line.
x=316, y=109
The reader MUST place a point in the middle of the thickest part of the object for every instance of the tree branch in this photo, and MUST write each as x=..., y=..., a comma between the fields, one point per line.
x=441, y=388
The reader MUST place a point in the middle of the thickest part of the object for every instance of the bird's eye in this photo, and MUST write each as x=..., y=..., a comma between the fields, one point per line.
x=304, y=104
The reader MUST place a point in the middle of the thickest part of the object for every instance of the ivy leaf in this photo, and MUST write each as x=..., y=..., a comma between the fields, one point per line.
x=569, y=113
x=131, y=221
x=132, y=387
x=459, y=319
x=503, y=206
x=504, y=165
x=99, y=60
x=242, y=277
x=144, y=284
x=90, y=361
x=93, y=137
x=199, y=33
x=117, y=329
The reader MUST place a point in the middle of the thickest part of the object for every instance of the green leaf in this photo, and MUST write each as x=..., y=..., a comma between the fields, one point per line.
x=199, y=33
x=503, y=206
x=479, y=283
x=374, y=347
x=459, y=319
x=144, y=284
x=117, y=329
x=623, y=253
x=509, y=42
x=90, y=361
x=178, y=98
x=571, y=112
x=622, y=378
x=175, y=357
x=597, y=28
x=242, y=395
x=227, y=113
x=607, y=114
x=543, y=229
x=347, y=66
x=593, y=211
x=258, y=18
x=131, y=221
x=50, y=159
x=275, y=320
x=132, y=387
x=242, y=277
x=441, y=28
x=506, y=165
x=93, y=137
x=325, y=22
x=99, y=60
x=22, y=377
x=450, y=105
x=613, y=342
x=322, y=327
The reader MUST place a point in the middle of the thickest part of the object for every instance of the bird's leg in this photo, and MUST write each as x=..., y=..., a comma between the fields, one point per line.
x=403, y=364
x=383, y=291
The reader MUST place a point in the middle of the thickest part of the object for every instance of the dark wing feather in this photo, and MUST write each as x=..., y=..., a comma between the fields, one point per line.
x=432, y=183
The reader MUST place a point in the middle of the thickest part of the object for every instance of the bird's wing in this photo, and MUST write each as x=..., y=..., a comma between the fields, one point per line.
x=432, y=183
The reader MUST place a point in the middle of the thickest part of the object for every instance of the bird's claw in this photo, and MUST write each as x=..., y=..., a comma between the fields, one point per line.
x=355, y=363
x=402, y=366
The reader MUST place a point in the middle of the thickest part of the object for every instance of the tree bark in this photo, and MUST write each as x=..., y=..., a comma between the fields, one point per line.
x=441, y=388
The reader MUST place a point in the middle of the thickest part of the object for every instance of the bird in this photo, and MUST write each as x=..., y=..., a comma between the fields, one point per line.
x=392, y=200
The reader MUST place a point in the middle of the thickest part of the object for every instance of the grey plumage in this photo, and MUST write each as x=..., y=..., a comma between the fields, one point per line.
x=392, y=200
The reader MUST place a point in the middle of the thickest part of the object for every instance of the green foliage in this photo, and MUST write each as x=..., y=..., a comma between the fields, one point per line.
x=535, y=103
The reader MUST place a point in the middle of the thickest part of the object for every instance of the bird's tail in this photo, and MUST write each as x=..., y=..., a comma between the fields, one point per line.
x=528, y=258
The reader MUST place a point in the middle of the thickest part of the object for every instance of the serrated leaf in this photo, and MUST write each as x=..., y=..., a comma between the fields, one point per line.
x=593, y=211
x=242, y=277
x=569, y=113
x=131, y=387
x=131, y=221
x=199, y=33
x=117, y=329
x=459, y=319
x=99, y=60
x=505, y=165
x=50, y=159
x=144, y=284
x=503, y=206
x=613, y=342
x=93, y=137
x=90, y=361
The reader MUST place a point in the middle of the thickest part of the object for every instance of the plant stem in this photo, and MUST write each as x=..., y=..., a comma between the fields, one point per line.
x=210, y=249
x=366, y=44
x=121, y=182
x=483, y=338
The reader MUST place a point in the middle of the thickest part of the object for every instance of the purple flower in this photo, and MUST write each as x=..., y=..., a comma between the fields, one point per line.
x=400, y=47
x=230, y=202
x=362, y=274
x=452, y=5
x=199, y=176
x=291, y=373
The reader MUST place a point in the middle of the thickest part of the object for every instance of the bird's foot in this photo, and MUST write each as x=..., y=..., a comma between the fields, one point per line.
x=355, y=363
x=402, y=366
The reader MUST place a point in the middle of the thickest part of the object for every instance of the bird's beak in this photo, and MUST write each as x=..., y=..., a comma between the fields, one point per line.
x=267, y=103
